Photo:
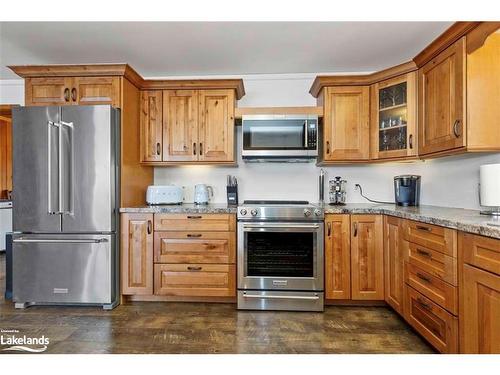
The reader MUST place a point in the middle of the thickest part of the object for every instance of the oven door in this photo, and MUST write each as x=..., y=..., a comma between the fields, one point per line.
x=280, y=256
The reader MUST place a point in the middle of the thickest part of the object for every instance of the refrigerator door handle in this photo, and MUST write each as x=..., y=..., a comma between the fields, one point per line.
x=70, y=168
x=56, y=240
x=49, y=169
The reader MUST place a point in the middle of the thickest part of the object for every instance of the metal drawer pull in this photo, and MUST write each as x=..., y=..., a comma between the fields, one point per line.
x=190, y=268
x=158, y=148
x=426, y=306
x=281, y=297
x=355, y=229
x=410, y=141
x=194, y=148
x=73, y=94
x=193, y=235
x=421, y=227
x=66, y=94
x=424, y=253
x=194, y=217
x=455, y=128
x=201, y=148
x=329, y=225
x=424, y=278
x=150, y=227
x=55, y=240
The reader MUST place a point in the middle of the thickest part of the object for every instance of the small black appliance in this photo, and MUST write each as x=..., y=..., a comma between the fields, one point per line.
x=407, y=190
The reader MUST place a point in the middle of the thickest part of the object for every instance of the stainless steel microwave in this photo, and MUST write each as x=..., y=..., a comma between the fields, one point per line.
x=279, y=138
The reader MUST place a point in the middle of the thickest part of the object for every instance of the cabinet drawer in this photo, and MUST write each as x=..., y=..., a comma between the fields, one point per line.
x=434, y=237
x=436, y=324
x=196, y=280
x=196, y=222
x=194, y=247
x=444, y=294
x=482, y=252
x=437, y=264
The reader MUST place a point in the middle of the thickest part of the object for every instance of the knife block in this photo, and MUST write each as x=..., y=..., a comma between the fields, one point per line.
x=232, y=195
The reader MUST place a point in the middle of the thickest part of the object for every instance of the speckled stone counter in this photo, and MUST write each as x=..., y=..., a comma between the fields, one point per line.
x=187, y=208
x=456, y=218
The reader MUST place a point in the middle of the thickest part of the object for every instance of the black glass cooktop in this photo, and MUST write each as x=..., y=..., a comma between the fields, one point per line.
x=264, y=202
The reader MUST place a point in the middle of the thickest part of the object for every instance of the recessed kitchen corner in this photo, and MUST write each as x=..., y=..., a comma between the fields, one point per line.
x=241, y=199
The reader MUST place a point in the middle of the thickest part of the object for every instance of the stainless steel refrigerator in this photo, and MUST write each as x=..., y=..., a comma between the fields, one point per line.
x=65, y=199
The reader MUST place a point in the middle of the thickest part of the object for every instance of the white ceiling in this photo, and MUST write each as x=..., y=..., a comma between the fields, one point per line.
x=161, y=49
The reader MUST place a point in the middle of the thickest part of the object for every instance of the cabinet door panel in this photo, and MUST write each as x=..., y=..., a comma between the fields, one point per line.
x=137, y=254
x=367, y=257
x=442, y=120
x=346, y=123
x=394, y=255
x=337, y=257
x=151, y=125
x=47, y=91
x=180, y=125
x=96, y=90
x=216, y=125
x=480, y=312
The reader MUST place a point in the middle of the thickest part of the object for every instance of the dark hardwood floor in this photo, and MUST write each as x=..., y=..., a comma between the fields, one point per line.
x=155, y=327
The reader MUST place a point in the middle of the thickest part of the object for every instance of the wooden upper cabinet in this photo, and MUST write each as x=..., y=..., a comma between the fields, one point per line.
x=337, y=257
x=47, y=91
x=346, y=123
x=442, y=100
x=96, y=90
x=367, y=257
x=395, y=252
x=137, y=254
x=151, y=125
x=180, y=125
x=394, y=118
x=216, y=125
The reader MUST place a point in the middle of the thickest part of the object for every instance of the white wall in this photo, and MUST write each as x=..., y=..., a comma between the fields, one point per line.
x=450, y=181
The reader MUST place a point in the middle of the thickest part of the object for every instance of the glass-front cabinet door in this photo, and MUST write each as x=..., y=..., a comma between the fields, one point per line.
x=393, y=127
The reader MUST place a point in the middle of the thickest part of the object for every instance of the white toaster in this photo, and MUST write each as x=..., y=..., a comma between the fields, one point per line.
x=164, y=194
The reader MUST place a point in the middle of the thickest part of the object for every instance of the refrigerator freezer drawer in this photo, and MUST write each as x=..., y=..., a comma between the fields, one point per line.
x=64, y=269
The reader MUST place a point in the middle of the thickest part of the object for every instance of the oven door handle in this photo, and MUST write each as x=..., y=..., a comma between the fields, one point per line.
x=280, y=297
x=277, y=226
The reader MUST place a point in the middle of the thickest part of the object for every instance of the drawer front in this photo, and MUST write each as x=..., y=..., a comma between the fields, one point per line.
x=195, y=222
x=444, y=294
x=195, y=280
x=482, y=252
x=434, y=237
x=437, y=325
x=437, y=264
x=195, y=247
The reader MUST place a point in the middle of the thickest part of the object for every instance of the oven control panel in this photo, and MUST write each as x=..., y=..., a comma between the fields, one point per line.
x=310, y=212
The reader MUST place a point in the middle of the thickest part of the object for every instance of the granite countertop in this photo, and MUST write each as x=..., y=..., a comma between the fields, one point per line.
x=456, y=218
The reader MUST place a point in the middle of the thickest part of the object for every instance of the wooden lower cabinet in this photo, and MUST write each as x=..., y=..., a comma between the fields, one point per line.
x=195, y=222
x=195, y=280
x=337, y=257
x=367, y=257
x=137, y=254
x=395, y=251
x=434, y=323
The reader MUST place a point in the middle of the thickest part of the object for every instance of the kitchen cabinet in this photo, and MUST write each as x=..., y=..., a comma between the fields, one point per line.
x=395, y=252
x=45, y=91
x=479, y=294
x=151, y=123
x=394, y=118
x=346, y=123
x=337, y=257
x=5, y=152
x=367, y=257
x=137, y=254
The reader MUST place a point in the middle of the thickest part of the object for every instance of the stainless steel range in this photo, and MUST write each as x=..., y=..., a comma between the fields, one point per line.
x=280, y=256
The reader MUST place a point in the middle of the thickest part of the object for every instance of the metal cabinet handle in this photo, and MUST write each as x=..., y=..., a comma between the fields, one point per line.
x=193, y=217
x=327, y=147
x=329, y=226
x=73, y=94
x=426, y=306
x=66, y=94
x=150, y=226
x=455, y=128
x=194, y=235
x=424, y=253
x=201, y=148
x=191, y=268
x=410, y=141
x=424, y=278
x=355, y=229
x=158, y=148
x=194, y=148
x=421, y=227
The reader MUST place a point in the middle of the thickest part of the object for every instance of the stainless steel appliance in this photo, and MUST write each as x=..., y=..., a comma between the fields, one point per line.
x=164, y=194
x=336, y=192
x=280, y=256
x=407, y=190
x=202, y=193
x=65, y=205
x=288, y=138
x=5, y=222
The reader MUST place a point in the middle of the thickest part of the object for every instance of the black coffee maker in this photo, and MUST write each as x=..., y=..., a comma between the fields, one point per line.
x=407, y=190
